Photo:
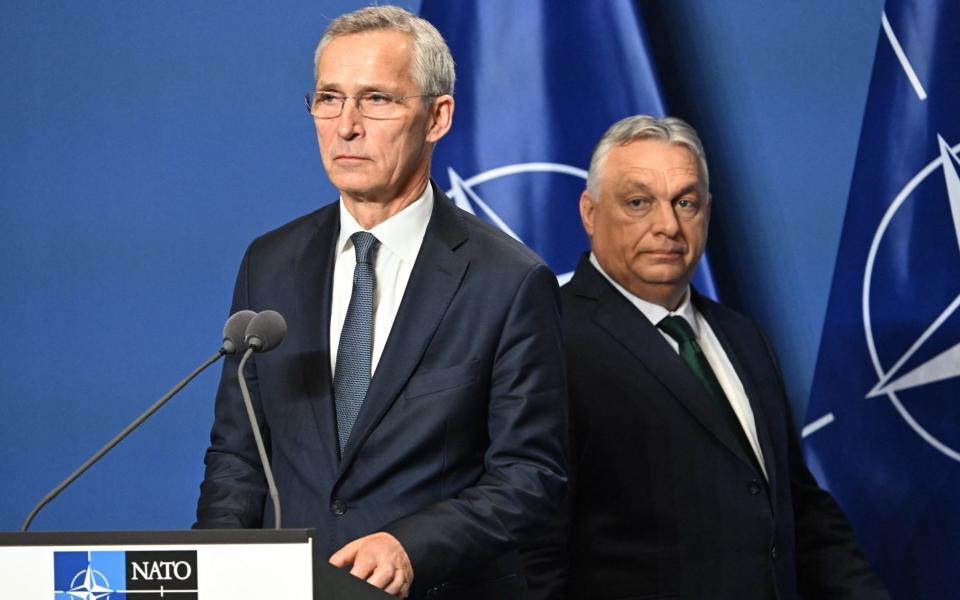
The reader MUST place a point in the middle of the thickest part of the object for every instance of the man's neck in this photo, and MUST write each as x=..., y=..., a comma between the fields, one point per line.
x=667, y=295
x=370, y=211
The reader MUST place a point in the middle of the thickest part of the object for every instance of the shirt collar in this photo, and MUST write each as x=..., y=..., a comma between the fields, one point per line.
x=402, y=233
x=654, y=312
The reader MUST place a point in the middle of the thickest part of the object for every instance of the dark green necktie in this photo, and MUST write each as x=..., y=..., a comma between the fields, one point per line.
x=692, y=354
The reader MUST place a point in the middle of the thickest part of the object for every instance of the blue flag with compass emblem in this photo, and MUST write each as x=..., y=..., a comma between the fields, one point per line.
x=883, y=424
x=538, y=84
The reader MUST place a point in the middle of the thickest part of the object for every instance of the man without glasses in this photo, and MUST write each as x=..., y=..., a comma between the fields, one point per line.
x=687, y=476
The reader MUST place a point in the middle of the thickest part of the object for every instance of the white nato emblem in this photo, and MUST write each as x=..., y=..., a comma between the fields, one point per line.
x=462, y=192
x=89, y=584
x=946, y=364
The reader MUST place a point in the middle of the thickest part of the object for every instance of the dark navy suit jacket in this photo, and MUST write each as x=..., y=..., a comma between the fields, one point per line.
x=459, y=449
x=666, y=502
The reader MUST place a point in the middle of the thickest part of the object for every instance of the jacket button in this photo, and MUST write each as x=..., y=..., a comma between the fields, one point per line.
x=754, y=487
x=338, y=507
x=773, y=553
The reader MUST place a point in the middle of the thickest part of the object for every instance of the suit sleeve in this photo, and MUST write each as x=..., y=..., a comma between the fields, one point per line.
x=524, y=465
x=234, y=490
x=546, y=558
x=830, y=562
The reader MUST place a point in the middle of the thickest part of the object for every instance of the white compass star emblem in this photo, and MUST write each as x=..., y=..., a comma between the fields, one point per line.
x=92, y=585
x=945, y=365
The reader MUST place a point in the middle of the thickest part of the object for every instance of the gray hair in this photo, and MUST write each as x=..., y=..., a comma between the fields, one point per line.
x=432, y=66
x=669, y=130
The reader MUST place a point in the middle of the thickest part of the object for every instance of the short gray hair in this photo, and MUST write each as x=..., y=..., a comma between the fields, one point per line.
x=432, y=66
x=669, y=130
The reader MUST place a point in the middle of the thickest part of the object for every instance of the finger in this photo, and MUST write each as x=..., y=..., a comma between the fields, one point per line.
x=396, y=587
x=346, y=555
x=382, y=575
x=363, y=564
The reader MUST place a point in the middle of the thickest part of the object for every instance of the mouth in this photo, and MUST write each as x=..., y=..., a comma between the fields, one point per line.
x=665, y=255
x=348, y=158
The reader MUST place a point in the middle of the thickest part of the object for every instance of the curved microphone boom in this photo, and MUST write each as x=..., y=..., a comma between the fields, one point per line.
x=264, y=333
x=233, y=341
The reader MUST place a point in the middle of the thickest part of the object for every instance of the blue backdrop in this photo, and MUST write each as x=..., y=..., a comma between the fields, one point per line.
x=884, y=421
x=519, y=154
x=144, y=145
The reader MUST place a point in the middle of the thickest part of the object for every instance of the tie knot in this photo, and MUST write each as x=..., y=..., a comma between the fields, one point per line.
x=677, y=328
x=363, y=244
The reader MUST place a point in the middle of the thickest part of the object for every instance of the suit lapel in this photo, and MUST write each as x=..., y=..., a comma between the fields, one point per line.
x=624, y=322
x=433, y=283
x=314, y=276
x=735, y=349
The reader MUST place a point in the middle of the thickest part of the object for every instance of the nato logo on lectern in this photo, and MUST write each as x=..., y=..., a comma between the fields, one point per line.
x=140, y=575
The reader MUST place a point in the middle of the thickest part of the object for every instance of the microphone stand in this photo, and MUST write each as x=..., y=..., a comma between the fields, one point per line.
x=261, y=450
x=119, y=437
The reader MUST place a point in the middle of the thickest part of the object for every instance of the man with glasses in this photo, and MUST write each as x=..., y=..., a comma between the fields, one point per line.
x=416, y=413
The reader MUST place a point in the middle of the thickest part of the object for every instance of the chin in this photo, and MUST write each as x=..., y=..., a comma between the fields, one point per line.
x=664, y=275
x=352, y=183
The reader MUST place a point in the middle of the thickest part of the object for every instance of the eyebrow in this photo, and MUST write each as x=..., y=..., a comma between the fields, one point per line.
x=634, y=186
x=693, y=187
x=321, y=86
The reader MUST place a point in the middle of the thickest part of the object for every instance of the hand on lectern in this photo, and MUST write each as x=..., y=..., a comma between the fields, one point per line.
x=380, y=560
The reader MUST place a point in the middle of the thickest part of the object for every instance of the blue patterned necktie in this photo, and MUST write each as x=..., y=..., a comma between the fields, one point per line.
x=352, y=376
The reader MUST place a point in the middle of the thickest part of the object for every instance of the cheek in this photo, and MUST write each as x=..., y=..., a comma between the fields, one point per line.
x=633, y=234
x=324, y=136
x=696, y=235
x=386, y=146
x=620, y=239
x=405, y=145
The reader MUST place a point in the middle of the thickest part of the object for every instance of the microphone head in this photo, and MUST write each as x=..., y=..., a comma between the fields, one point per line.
x=234, y=330
x=265, y=331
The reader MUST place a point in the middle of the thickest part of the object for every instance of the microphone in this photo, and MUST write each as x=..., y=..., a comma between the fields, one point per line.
x=234, y=330
x=236, y=323
x=264, y=332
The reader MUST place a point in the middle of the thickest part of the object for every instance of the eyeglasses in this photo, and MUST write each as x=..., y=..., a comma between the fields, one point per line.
x=372, y=105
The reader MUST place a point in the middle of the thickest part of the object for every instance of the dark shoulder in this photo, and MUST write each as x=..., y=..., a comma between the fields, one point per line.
x=490, y=244
x=294, y=234
x=732, y=323
x=720, y=314
x=585, y=289
x=574, y=290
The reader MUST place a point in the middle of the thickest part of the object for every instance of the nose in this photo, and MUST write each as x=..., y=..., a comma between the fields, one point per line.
x=350, y=122
x=665, y=219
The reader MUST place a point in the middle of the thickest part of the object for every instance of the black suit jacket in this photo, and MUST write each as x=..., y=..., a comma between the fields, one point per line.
x=666, y=502
x=459, y=448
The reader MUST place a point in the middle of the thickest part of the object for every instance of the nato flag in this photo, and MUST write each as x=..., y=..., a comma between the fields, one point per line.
x=883, y=427
x=539, y=83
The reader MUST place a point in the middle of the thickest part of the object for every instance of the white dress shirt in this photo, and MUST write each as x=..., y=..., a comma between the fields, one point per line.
x=400, y=239
x=719, y=362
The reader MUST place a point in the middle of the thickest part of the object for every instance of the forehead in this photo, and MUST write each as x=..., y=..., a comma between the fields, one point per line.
x=647, y=161
x=368, y=59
